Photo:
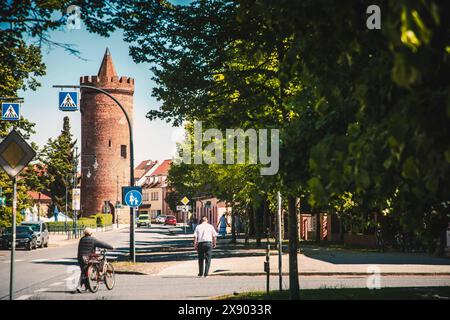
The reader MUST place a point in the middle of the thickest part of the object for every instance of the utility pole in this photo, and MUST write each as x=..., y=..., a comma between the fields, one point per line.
x=280, y=245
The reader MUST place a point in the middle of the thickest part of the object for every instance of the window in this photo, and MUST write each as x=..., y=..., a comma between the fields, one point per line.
x=154, y=196
x=123, y=151
x=109, y=143
x=145, y=196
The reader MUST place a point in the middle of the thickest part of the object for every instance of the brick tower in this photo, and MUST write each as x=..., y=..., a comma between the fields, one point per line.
x=105, y=149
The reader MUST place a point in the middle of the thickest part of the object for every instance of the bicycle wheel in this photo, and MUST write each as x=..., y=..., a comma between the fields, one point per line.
x=110, y=278
x=92, y=278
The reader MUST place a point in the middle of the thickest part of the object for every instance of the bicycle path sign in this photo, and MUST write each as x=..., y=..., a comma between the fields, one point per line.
x=132, y=196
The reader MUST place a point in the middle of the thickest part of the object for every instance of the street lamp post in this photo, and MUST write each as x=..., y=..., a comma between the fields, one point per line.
x=75, y=167
x=132, y=244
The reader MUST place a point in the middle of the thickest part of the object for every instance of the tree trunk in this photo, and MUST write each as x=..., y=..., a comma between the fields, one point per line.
x=251, y=221
x=233, y=226
x=318, y=227
x=266, y=217
x=259, y=222
x=294, y=286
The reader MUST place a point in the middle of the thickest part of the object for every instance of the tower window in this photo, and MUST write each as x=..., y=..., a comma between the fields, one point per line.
x=109, y=143
x=123, y=151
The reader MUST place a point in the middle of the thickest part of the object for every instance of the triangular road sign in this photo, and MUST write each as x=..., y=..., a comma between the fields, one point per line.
x=10, y=113
x=68, y=102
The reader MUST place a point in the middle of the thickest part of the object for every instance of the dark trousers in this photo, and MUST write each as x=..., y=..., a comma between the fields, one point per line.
x=204, y=253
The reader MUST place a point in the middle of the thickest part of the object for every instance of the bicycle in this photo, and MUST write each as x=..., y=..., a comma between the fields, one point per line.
x=99, y=270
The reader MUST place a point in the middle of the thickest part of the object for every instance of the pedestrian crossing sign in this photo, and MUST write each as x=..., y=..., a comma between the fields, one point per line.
x=11, y=111
x=68, y=101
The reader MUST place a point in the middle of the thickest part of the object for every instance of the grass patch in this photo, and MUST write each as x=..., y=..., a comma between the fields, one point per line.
x=414, y=293
x=140, y=268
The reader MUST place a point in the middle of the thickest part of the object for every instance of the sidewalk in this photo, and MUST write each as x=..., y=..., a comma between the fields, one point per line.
x=321, y=261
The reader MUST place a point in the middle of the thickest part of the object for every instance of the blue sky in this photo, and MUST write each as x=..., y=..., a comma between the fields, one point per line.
x=153, y=139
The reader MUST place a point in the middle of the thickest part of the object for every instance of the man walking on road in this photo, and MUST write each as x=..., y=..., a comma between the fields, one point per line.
x=205, y=237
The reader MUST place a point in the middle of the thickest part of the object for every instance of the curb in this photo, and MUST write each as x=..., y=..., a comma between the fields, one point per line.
x=335, y=274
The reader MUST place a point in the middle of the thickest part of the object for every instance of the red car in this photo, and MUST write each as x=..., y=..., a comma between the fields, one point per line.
x=171, y=220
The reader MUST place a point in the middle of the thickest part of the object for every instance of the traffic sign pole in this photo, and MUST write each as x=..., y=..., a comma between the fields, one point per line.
x=13, y=165
x=13, y=243
x=280, y=244
x=132, y=240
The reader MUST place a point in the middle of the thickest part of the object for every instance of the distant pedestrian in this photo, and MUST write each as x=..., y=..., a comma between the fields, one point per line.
x=222, y=225
x=194, y=223
x=205, y=237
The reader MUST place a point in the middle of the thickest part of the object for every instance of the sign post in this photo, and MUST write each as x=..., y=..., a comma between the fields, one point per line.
x=280, y=245
x=15, y=154
x=132, y=197
x=184, y=209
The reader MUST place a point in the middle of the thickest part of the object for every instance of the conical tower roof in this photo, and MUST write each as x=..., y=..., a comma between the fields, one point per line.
x=107, y=69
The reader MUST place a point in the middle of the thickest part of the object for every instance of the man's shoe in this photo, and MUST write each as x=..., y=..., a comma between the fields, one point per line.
x=200, y=275
x=78, y=290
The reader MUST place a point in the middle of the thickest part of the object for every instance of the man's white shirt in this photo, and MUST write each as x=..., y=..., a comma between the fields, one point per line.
x=205, y=232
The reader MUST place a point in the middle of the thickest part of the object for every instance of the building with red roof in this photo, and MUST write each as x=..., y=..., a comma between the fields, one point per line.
x=154, y=191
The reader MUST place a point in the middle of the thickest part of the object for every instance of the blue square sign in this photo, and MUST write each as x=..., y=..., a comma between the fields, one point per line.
x=11, y=111
x=68, y=101
x=132, y=196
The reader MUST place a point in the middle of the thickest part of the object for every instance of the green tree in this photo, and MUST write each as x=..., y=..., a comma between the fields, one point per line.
x=58, y=159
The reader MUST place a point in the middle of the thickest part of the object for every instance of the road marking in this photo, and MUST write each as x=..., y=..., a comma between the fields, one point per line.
x=39, y=260
x=65, y=260
x=17, y=260
x=56, y=284
x=41, y=290
x=24, y=297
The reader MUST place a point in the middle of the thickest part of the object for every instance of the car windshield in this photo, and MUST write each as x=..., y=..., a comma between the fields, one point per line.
x=170, y=217
x=19, y=229
x=143, y=218
x=35, y=226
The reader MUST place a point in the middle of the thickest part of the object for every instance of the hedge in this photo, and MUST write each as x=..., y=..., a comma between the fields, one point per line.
x=97, y=220
x=103, y=219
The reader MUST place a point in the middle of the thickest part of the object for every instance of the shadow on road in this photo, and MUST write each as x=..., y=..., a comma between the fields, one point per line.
x=334, y=256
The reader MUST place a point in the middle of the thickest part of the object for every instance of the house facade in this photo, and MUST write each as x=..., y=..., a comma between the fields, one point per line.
x=154, y=191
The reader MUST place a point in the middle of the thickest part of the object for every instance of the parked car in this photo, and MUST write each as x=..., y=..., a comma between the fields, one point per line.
x=171, y=220
x=40, y=229
x=144, y=220
x=160, y=219
x=25, y=238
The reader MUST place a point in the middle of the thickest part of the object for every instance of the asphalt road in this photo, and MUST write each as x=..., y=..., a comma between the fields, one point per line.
x=51, y=273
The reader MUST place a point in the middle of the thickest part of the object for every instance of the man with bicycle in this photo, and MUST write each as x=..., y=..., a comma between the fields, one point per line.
x=86, y=247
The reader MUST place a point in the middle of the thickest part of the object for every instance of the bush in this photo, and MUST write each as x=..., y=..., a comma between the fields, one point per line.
x=103, y=219
x=97, y=220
